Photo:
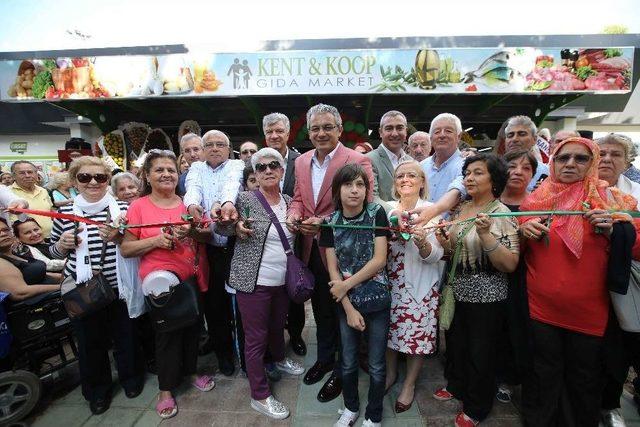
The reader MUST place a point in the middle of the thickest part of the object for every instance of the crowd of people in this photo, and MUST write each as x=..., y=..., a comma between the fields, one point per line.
x=412, y=245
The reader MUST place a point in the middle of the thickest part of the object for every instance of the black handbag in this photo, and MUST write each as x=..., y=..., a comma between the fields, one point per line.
x=83, y=299
x=178, y=308
x=175, y=309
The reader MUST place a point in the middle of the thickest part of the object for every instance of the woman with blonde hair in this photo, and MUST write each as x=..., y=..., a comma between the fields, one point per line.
x=414, y=269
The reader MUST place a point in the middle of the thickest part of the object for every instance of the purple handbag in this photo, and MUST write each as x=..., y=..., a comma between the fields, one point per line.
x=299, y=279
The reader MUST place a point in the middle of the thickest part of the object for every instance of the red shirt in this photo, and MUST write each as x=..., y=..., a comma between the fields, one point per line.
x=566, y=291
x=181, y=259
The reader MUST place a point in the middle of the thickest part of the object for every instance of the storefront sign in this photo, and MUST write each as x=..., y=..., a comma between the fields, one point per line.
x=453, y=70
x=18, y=147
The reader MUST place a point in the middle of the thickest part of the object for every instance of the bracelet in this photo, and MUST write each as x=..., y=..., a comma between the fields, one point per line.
x=486, y=251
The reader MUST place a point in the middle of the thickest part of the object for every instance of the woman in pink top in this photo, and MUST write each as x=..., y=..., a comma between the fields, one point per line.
x=173, y=250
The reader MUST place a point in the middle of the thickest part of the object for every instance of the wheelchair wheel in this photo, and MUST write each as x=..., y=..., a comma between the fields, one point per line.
x=19, y=394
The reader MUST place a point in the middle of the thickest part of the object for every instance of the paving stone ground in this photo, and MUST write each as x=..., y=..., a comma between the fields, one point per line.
x=228, y=404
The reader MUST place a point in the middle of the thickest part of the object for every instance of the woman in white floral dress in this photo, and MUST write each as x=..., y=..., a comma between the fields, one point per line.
x=414, y=268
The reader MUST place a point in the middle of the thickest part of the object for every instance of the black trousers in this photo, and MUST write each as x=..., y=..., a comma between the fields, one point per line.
x=217, y=302
x=176, y=355
x=95, y=333
x=568, y=372
x=324, y=312
x=473, y=340
x=295, y=319
x=621, y=350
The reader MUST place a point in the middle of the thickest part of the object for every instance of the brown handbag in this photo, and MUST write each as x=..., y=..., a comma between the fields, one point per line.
x=83, y=299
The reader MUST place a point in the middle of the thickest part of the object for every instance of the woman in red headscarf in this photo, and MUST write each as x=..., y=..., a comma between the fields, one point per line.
x=566, y=264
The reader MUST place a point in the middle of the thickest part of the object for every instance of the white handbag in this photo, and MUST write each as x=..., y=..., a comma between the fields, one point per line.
x=627, y=307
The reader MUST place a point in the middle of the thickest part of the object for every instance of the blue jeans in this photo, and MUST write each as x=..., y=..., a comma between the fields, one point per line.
x=377, y=330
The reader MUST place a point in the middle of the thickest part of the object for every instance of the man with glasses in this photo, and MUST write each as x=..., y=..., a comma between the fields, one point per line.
x=276, y=128
x=247, y=149
x=25, y=187
x=312, y=201
x=192, y=150
x=385, y=158
x=212, y=187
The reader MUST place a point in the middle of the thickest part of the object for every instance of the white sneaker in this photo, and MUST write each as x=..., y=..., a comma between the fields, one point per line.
x=612, y=418
x=271, y=408
x=368, y=423
x=290, y=367
x=347, y=419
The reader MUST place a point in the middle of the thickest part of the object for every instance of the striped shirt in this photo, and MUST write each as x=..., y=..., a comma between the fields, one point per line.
x=95, y=243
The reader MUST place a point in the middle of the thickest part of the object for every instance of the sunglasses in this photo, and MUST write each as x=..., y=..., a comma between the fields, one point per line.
x=248, y=151
x=86, y=178
x=580, y=159
x=273, y=165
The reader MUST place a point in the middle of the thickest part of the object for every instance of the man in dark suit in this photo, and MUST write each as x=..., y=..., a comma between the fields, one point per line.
x=276, y=131
x=192, y=150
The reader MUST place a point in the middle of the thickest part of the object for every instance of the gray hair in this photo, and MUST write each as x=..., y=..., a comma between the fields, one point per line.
x=188, y=136
x=122, y=175
x=213, y=133
x=273, y=118
x=622, y=140
x=57, y=180
x=266, y=152
x=416, y=134
x=323, y=109
x=451, y=118
x=522, y=121
x=392, y=113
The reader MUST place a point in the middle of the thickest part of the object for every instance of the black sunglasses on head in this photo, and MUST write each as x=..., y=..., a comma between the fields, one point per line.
x=273, y=165
x=86, y=178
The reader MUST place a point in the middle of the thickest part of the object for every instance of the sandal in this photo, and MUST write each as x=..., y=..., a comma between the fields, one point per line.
x=204, y=383
x=163, y=405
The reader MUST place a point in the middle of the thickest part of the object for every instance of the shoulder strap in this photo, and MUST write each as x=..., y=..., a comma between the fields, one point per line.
x=275, y=221
x=104, y=242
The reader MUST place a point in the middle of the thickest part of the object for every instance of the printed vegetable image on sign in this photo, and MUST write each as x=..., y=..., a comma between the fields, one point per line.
x=427, y=68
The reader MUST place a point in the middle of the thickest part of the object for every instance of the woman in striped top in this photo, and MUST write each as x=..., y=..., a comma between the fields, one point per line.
x=95, y=332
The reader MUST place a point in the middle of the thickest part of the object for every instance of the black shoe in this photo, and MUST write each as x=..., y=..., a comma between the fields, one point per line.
x=133, y=392
x=206, y=348
x=331, y=389
x=298, y=346
x=226, y=366
x=317, y=372
x=99, y=406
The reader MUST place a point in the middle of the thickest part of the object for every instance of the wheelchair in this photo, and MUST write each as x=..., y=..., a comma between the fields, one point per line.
x=41, y=330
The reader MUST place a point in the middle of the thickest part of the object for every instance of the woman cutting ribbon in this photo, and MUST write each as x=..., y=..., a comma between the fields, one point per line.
x=414, y=270
x=82, y=247
x=566, y=284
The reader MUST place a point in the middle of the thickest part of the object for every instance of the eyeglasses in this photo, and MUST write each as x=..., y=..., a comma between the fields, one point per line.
x=273, y=165
x=410, y=175
x=580, y=159
x=162, y=152
x=248, y=151
x=219, y=145
x=325, y=128
x=86, y=178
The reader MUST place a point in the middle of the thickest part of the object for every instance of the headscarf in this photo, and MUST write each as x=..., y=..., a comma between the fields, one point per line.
x=555, y=195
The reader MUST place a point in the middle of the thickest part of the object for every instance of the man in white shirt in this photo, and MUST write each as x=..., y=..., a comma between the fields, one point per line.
x=385, y=158
x=212, y=188
x=276, y=128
